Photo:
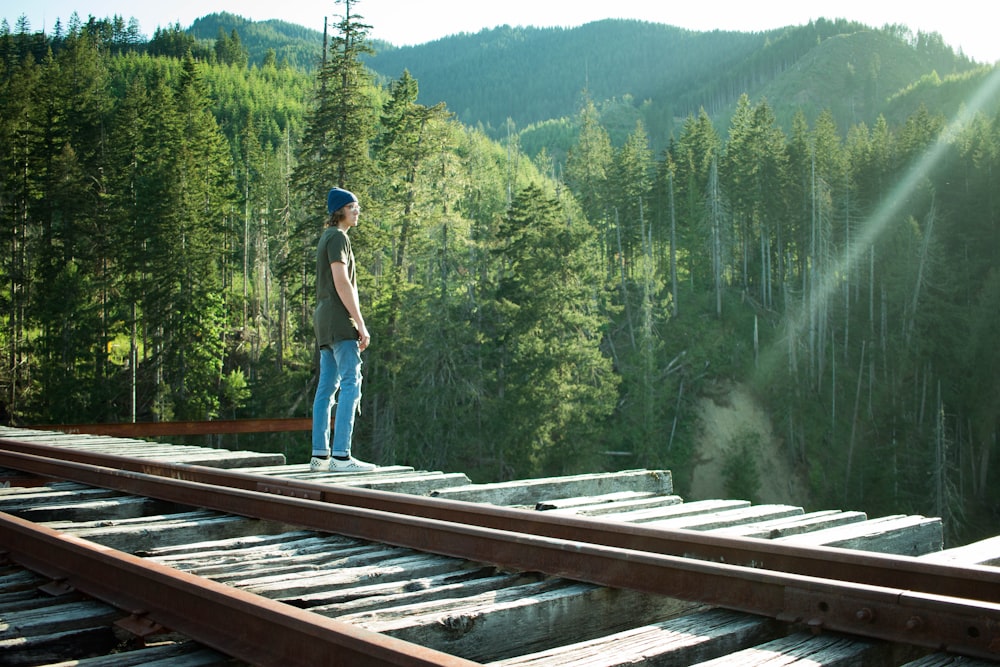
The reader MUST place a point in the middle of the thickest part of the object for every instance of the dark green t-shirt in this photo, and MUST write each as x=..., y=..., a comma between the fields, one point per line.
x=331, y=321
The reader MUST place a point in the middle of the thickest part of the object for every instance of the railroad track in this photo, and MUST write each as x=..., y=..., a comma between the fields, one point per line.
x=273, y=566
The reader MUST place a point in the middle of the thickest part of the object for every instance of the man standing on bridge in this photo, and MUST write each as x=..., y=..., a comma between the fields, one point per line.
x=342, y=336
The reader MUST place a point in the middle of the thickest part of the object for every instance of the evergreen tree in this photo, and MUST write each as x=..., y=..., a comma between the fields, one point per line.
x=696, y=150
x=336, y=144
x=588, y=164
x=76, y=247
x=21, y=106
x=632, y=172
x=185, y=192
x=552, y=384
x=756, y=169
x=409, y=148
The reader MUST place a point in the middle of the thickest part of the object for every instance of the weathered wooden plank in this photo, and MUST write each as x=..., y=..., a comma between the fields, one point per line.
x=133, y=535
x=188, y=427
x=111, y=509
x=448, y=585
x=807, y=650
x=521, y=619
x=226, y=459
x=139, y=524
x=903, y=535
x=983, y=552
x=416, y=484
x=383, y=565
x=584, y=508
x=56, y=618
x=673, y=643
x=51, y=485
x=183, y=654
x=245, y=547
x=794, y=525
x=430, y=575
x=732, y=517
x=583, y=501
x=301, y=471
x=271, y=564
x=676, y=510
x=56, y=647
x=99, y=442
x=191, y=454
x=306, y=567
x=30, y=598
x=110, y=445
x=15, y=579
x=58, y=438
x=530, y=491
x=12, y=500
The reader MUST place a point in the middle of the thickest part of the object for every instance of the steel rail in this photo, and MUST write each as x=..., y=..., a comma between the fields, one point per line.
x=203, y=427
x=966, y=581
x=241, y=625
x=965, y=626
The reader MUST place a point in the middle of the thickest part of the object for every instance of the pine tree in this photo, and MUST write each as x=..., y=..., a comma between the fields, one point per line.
x=696, y=150
x=552, y=385
x=185, y=192
x=335, y=148
x=588, y=164
x=756, y=180
x=72, y=257
x=21, y=104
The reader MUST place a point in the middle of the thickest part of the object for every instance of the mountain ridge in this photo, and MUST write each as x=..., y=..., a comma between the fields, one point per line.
x=514, y=79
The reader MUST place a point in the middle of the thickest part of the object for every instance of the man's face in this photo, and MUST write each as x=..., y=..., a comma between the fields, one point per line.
x=351, y=214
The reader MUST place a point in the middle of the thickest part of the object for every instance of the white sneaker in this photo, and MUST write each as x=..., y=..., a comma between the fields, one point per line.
x=319, y=465
x=351, y=465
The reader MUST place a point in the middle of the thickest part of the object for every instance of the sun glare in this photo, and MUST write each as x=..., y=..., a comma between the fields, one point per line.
x=876, y=224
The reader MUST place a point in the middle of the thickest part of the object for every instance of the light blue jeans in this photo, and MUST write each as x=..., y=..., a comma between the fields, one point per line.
x=339, y=368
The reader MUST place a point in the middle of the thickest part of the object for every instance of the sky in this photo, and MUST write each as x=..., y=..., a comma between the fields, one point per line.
x=963, y=24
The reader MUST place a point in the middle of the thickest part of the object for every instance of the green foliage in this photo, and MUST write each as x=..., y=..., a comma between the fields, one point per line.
x=551, y=384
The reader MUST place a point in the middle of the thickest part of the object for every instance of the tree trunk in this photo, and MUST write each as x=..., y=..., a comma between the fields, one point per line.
x=673, y=249
x=854, y=424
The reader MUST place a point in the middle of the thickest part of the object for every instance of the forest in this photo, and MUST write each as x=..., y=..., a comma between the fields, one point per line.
x=531, y=313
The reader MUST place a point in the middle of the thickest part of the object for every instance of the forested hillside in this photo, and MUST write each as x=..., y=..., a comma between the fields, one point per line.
x=530, y=81
x=664, y=73
x=531, y=313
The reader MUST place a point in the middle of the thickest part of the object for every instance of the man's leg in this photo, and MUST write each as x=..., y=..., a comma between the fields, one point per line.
x=348, y=360
x=326, y=388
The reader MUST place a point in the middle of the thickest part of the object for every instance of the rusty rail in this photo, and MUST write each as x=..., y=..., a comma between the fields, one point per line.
x=966, y=626
x=210, y=427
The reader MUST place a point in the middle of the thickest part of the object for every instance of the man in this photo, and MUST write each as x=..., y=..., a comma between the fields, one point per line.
x=342, y=336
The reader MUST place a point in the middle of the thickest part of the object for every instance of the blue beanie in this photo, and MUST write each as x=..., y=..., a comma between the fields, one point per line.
x=337, y=198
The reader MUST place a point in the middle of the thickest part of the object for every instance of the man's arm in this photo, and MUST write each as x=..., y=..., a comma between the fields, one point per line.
x=349, y=297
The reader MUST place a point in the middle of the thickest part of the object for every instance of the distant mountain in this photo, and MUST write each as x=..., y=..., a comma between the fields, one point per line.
x=293, y=44
x=531, y=75
x=537, y=77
